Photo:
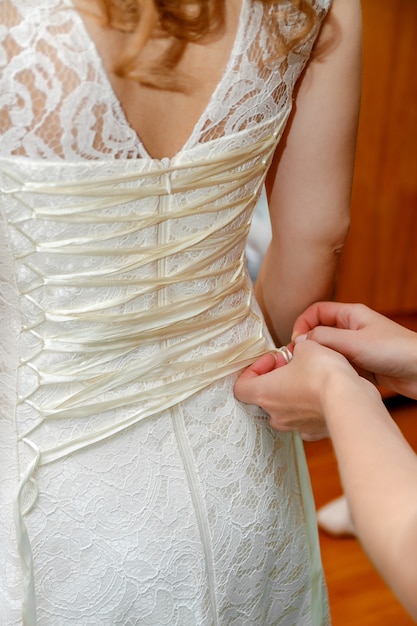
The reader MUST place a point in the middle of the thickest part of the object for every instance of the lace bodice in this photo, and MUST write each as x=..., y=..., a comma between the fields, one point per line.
x=54, y=88
x=122, y=276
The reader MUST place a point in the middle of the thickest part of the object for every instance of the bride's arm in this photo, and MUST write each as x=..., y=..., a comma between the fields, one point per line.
x=309, y=182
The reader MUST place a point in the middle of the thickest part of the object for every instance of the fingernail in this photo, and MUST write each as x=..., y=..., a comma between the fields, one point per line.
x=300, y=338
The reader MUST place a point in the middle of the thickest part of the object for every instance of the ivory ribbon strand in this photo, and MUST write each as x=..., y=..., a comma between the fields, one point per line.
x=85, y=338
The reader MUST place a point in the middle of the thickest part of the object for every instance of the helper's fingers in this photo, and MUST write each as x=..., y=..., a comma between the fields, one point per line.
x=266, y=363
x=334, y=314
x=347, y=342
x=284, y=355
x=246, y=387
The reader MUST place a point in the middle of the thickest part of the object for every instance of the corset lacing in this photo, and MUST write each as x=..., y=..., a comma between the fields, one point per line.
x=100, y=334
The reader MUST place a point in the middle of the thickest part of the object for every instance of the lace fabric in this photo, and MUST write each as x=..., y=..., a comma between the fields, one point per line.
x=54, y=86
x=148, y=495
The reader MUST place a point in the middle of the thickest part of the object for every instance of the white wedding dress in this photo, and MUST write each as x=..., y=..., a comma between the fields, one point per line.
x=134, y=488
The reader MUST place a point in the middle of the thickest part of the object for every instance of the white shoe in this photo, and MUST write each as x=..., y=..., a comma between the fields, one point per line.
x=334, y=518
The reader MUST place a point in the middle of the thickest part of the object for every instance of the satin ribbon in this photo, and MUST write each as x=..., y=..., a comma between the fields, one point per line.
x=99, y=334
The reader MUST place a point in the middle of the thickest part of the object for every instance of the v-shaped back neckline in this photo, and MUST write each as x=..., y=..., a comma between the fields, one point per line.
x=191, y=141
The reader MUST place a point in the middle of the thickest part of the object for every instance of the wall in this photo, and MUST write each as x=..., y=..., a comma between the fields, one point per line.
x=379, y=264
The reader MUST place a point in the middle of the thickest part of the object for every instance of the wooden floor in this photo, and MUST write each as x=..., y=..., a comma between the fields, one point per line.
x=358, y=596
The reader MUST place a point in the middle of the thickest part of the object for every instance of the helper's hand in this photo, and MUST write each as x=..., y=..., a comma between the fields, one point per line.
x=294, y=395
x=381, y=350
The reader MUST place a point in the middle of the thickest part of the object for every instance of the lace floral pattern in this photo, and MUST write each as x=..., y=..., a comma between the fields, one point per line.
x=54, y=89
x=120, y=275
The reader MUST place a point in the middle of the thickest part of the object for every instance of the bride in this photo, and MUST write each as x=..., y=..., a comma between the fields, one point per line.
x=136, y=139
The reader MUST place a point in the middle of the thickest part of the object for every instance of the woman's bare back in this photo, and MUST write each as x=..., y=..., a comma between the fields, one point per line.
x=164, y=119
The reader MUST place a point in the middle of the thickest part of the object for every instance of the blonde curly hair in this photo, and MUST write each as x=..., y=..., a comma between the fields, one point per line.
x=181, y=21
